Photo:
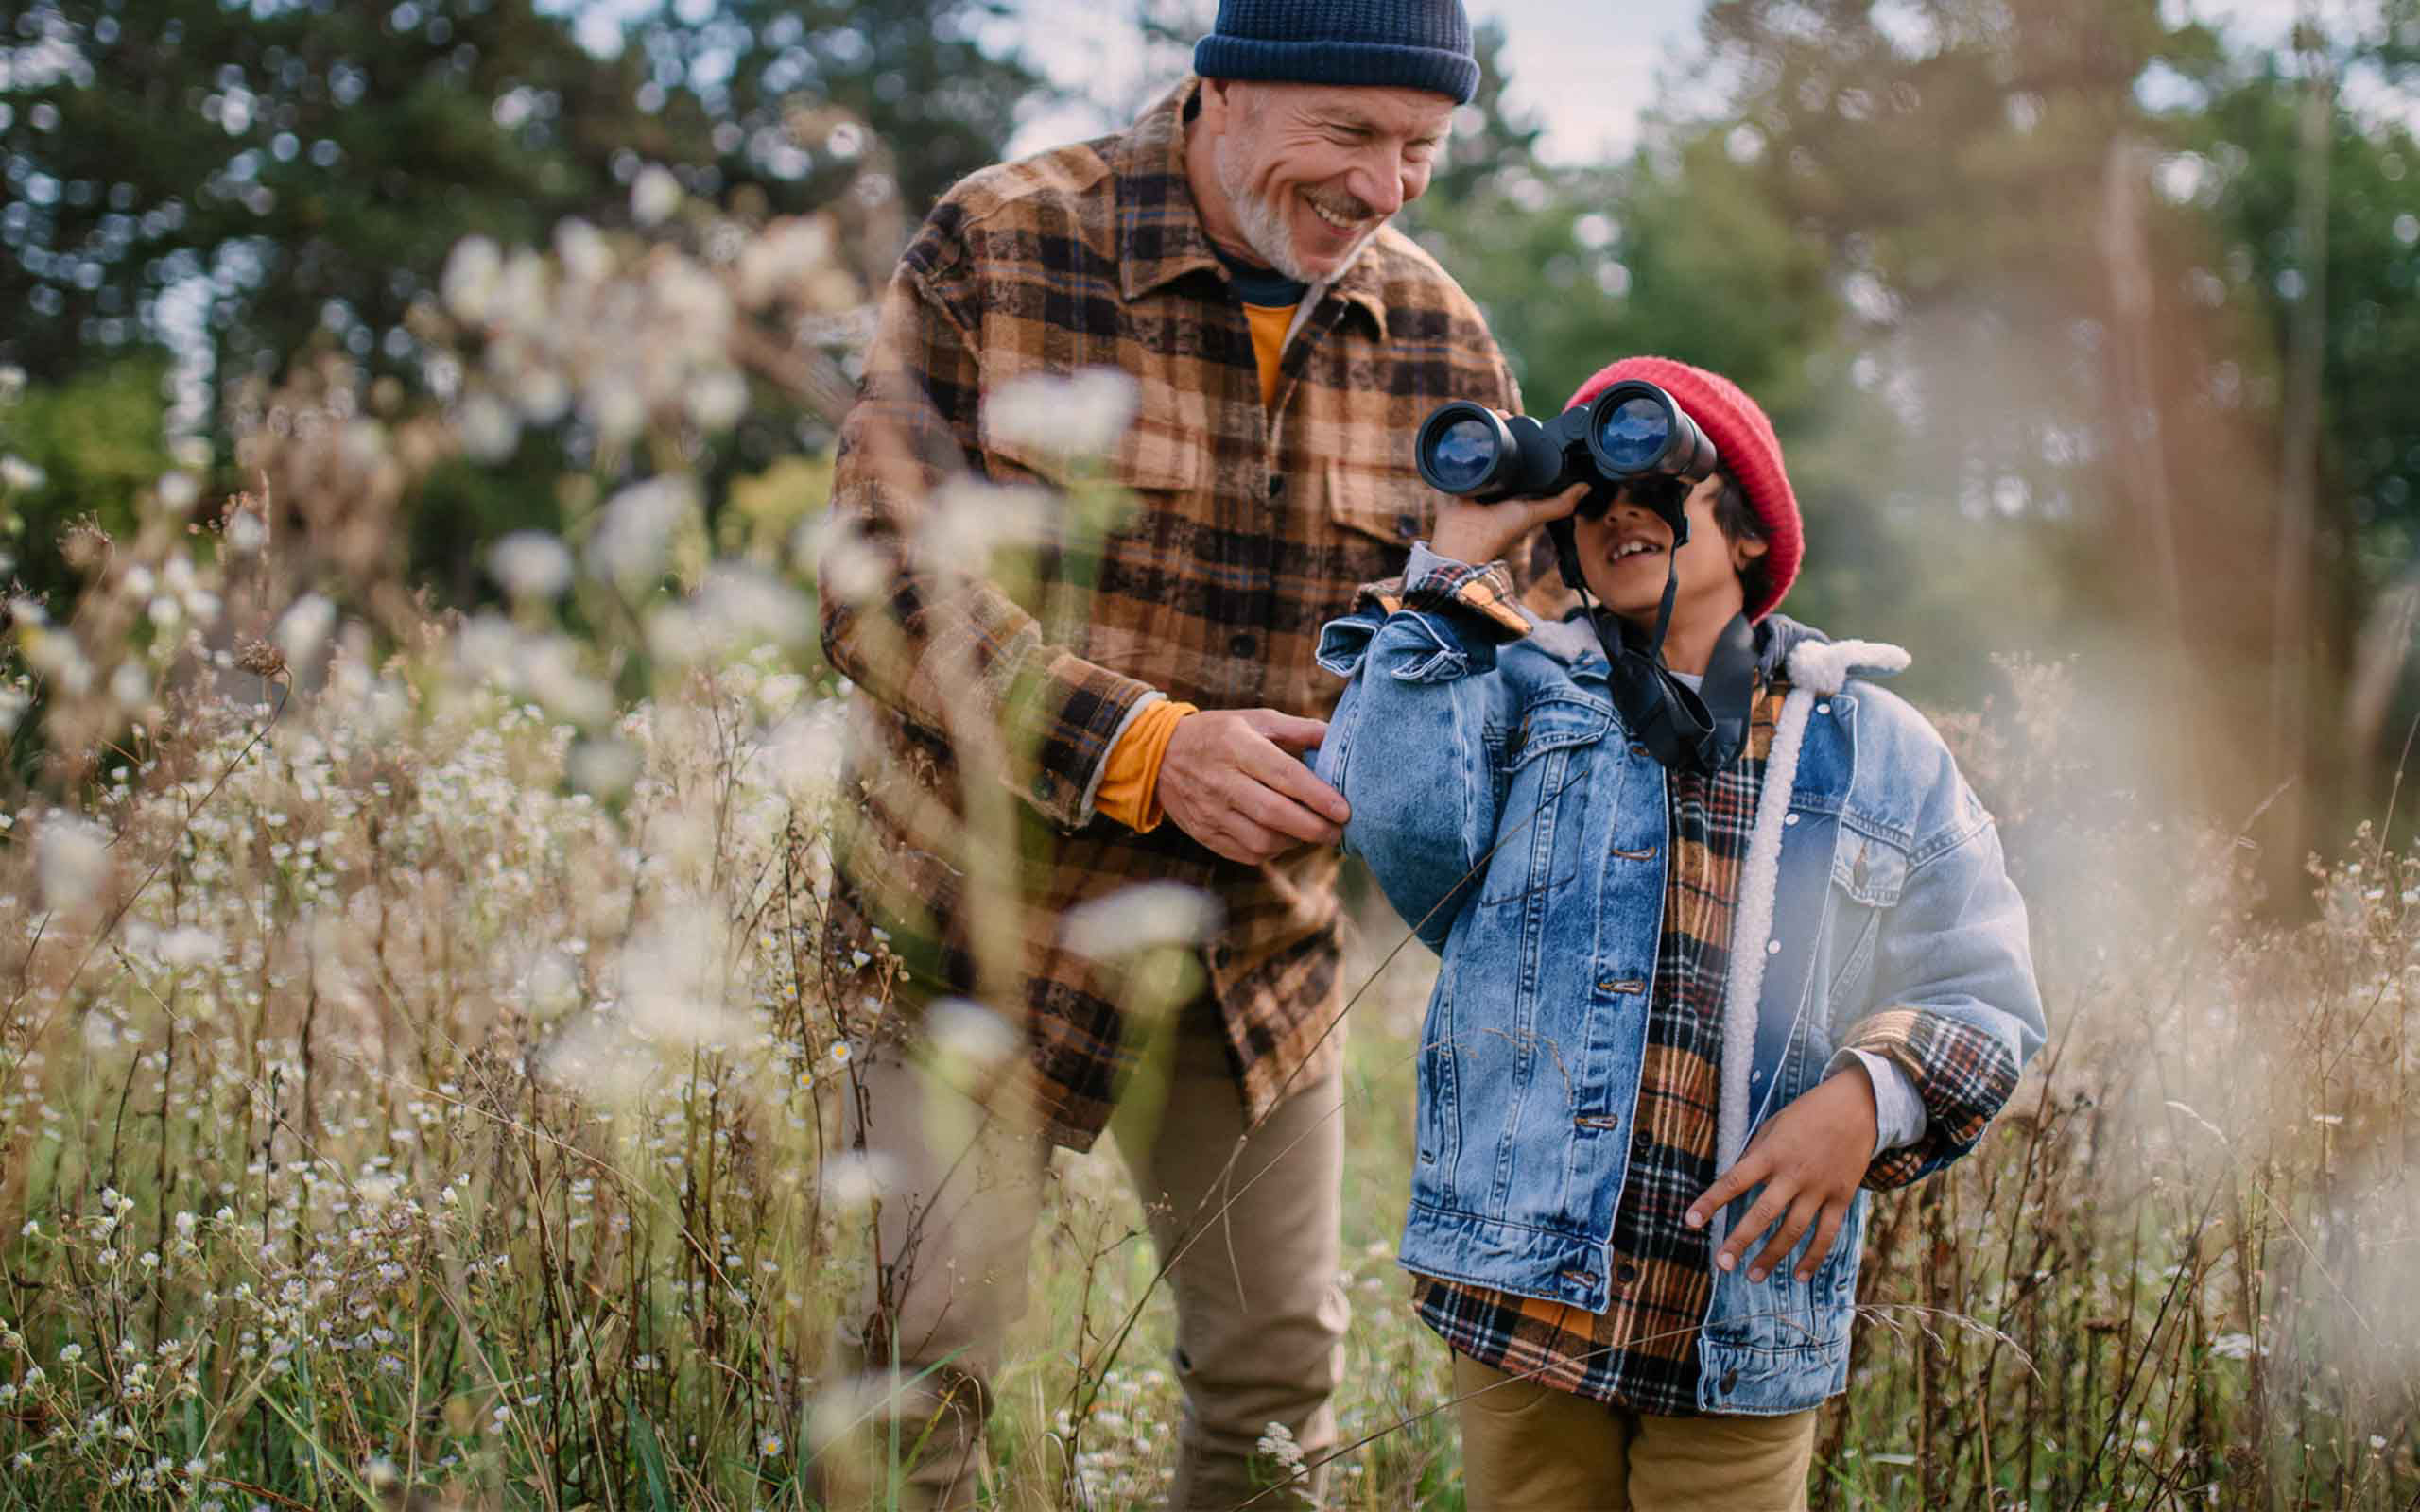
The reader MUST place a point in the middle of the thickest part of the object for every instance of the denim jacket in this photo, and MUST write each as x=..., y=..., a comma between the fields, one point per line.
x=1507, y=816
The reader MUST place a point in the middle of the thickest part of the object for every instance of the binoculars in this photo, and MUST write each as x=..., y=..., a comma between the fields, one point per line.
x=1632, y=433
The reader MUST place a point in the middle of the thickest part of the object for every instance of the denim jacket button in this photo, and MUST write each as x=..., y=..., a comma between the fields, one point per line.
x=1773, y=947
x=1730, y=1381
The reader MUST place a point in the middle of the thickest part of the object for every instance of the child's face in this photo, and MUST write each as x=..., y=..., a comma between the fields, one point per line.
x=1626, y=552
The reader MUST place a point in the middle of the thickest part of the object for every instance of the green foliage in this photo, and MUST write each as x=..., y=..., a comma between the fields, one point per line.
x=97, y=441
x=292, y=168
x=2248, y=142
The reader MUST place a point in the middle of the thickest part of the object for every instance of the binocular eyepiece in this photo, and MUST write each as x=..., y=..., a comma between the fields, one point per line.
x=1632, y=433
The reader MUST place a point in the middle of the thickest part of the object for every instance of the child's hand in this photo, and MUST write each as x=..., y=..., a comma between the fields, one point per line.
x=1480, y=533
x=1811, y=1157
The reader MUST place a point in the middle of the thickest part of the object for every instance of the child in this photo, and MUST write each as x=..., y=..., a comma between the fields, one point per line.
x=1726, y=938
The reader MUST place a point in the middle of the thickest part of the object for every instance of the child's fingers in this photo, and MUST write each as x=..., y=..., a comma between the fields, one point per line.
x=1825, y=1232
x=1768, y=1212
x=1745, y=1174
x=1802, y=1214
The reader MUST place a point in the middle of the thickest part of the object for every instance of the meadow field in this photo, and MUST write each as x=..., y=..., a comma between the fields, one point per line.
x=390, y=1121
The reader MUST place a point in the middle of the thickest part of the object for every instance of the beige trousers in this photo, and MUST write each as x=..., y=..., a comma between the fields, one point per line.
x=1528, y=1447
x=1260, y=1316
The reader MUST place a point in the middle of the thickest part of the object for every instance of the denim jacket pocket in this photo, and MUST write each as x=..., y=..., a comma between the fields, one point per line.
x=1868, y=875
x=1544, y=772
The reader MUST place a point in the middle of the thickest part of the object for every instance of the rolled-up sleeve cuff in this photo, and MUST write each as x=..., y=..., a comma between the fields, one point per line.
x=1432, y=583
x=1898, y=1111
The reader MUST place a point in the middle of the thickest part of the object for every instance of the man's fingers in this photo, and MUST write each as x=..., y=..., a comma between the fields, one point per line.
x=1802, y=1214
x=1293, y=731
x=1274, y=811
x=1291, y=780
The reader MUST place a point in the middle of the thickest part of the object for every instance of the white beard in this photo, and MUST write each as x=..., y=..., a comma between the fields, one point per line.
x=1266, y=227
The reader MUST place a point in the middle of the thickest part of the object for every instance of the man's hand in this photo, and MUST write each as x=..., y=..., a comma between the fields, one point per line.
x=1811, y=1157
x=1480, y=533
x=1228, y=780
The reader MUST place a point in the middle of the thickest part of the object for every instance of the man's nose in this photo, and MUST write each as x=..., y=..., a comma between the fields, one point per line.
x=1383, y=181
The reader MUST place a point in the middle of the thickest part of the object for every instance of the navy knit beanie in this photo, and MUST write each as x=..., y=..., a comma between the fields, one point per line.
x=1422, y=44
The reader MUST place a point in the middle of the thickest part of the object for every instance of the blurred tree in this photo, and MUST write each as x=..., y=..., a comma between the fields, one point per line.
x=232, y=185
x=917, y=74
x=234, y=180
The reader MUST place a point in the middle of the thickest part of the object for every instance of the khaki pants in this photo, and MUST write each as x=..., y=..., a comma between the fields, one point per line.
x=1528, y=1447
x=1260, y=1316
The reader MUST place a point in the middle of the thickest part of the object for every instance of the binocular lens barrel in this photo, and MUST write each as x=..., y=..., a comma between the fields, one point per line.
x=1632, y=430
x=1463, y=452
x=1634, y=433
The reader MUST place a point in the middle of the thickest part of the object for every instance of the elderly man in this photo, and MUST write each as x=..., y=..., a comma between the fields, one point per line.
x=1133, y=708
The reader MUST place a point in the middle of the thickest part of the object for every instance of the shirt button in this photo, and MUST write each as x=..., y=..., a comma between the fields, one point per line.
x=1823, y=708
x=1627, y=1274
x=1243, y=645
x=1790, y=818
x=1276, y=483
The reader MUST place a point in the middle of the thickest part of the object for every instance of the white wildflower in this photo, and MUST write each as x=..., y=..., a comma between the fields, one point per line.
x=1078, y=416
x=634, y=531
x=489, y=430
x=1140, y=918
x=587, y=257
x=530, y=564
x=305, y=628
x=782, y=257
x=654, y=195
x=17, y=473
x=1278, y=1444
x=72, y=858
x=856, y=1178
x=969, y=1033
x=177, y=492
x=187, y=946
x=718, y=398
x=473, y=273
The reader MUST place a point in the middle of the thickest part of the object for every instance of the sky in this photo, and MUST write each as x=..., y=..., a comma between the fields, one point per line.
x=1587, y=70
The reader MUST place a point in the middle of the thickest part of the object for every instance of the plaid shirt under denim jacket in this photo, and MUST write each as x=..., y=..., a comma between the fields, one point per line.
x=1255, y=523
x=1872, y=912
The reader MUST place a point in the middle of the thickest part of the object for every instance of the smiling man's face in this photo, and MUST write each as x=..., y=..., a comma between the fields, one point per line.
x=1299, y=177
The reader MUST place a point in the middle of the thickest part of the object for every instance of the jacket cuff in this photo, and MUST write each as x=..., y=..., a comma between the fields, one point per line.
x=1063, y=718
x=1962, y=1074
x=1434, y=584
x=1898, y=1112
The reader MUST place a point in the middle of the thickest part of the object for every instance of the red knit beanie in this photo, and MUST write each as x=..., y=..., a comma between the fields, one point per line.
x=1740, y=431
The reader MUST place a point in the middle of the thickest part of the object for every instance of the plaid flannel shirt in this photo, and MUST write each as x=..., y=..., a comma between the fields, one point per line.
x=983, y=711
x=1642, y=1352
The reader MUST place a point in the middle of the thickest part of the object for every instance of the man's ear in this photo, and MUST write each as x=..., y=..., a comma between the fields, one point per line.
x=1218, y=103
